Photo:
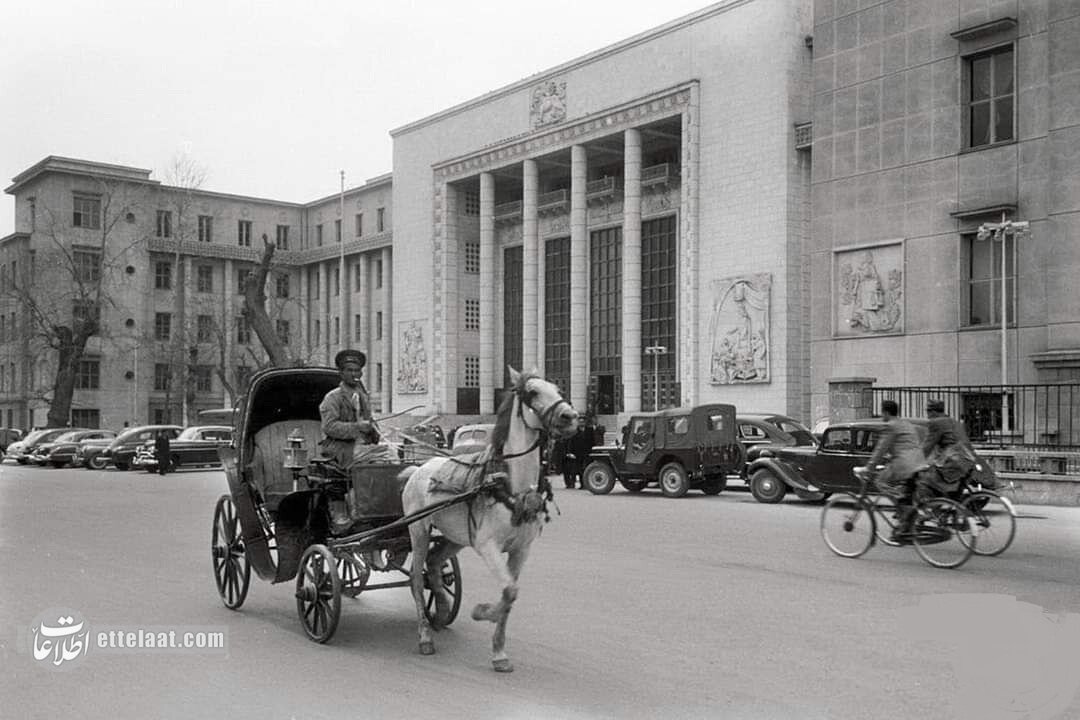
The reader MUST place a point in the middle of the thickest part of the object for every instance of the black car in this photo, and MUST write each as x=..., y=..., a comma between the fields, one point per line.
x=121, y=451
x=759, y=430
x=197, y=445
x=815, y=471
x=61, y=451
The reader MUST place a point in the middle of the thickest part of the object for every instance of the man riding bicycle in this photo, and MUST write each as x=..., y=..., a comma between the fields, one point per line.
x=947, y=447
x=899, y=442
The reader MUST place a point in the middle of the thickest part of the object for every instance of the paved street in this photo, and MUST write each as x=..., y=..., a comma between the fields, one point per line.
x=631, y=606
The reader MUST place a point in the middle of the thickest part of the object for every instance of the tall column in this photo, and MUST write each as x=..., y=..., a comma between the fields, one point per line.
x=530, y=229
x=631, y=272
x=386, y=353
x=487, y=293
x=579, y=275
x=363, y=304
x=304, y=303
x=323, y=305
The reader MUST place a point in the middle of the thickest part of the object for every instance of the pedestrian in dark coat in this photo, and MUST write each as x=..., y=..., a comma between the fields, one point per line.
x=162, y=451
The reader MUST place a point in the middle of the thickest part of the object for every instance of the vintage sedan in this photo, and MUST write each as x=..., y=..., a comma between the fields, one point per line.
x=121, y=451
x=760, y=430
x=91, y=453
x=197, y=445
x=61, y=451
x=815, y=471
x=24, y=449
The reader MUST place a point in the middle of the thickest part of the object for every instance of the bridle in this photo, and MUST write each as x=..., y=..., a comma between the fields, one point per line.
x=545, y=423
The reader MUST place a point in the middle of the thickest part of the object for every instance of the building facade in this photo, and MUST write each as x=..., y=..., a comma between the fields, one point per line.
x=633, y=224
x=933, y=119
x=648, y=195
x=173, y=263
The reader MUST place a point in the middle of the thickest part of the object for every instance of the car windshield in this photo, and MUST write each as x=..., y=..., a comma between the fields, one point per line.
x=797, y=430
x=68, y=436
x=33, y=437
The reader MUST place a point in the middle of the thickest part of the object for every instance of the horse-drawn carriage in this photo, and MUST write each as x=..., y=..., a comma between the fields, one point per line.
x=282, y=516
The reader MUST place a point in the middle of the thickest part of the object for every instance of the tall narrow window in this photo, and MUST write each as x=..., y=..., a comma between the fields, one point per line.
x=378, y=272
x=982, y=263
x=472, y=258
x=162, y=275
x=472, y=314
x=356, y=328
x=87, y=265
x=243, y=330
x=162, y=326
x=378, y=377
x=318, y=234
x=359, y=224
x=990, y=97
x=205, y=279
x=204, y=379
x=204, y=328
x=658, y=312
x=164, y=223
x=605, y=318
x=242, y=275
x=88, y=374
x=378, y=325
x=206, y=228
x=282, y=285
x=282, y=327
x=281, y=242
x=337, y=281
x=337, y=230
x=380, y=220
x=513, y=337
x=557, y=312
x=243, y=233
x=337, y=330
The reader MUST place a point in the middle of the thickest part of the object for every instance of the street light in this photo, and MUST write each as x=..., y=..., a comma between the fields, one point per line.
x=999, y=232
x=656, y=351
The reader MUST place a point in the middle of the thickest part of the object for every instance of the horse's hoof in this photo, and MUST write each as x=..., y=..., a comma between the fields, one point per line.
x=427, y=648
x=481, y=611
x=502, y=665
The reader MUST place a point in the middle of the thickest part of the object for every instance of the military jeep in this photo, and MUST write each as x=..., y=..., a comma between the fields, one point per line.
x=677, y=449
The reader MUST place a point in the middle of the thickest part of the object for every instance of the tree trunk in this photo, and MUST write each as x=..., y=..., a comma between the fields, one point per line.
x=255, y=310
x=69, y=352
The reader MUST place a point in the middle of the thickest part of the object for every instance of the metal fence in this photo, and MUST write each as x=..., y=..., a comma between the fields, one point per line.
x=1039, y=416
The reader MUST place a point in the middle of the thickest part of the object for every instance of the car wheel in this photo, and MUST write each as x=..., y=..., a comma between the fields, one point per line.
x=97, y=463
x=599, y=477
x=634, y=486
x=673, y=480
x=714, y=485
x=766, y=487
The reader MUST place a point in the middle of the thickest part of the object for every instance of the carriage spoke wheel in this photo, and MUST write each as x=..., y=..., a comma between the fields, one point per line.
x=354, y=572
x=847, y=525
x=451, y=579
x=944, y=533
x=232, y=573
x=995, y=522
x=318, y=593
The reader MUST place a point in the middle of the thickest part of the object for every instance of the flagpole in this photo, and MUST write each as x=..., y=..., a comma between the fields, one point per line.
x=342, y=277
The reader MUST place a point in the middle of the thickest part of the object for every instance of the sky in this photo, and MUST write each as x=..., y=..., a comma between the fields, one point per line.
x=273, y=99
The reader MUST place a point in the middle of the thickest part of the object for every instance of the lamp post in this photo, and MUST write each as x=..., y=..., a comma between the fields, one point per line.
x=1000, y=232
x=656, y=351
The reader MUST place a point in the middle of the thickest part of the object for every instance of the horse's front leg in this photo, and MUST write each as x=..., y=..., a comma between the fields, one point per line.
x=420, y=536
x=506, y=570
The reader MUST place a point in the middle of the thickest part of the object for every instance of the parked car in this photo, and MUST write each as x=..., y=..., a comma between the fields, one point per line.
x=121, y=451
x=758, y=430
x=677, y=449
x=471, y=438
x=815, y=471
x=8, y=436
x=196, y=445
x=61, y=451
x=90, y=453
x=24, y=449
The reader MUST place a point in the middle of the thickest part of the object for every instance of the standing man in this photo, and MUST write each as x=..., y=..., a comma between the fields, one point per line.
x=346, y=413
x=161, y=451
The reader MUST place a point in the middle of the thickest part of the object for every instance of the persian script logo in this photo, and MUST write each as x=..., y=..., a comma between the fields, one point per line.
x=59, y=636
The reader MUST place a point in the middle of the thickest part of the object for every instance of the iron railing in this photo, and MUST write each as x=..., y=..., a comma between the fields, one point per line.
x=1039, y=416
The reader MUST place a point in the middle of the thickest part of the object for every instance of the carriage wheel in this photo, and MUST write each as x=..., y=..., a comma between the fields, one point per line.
x=451, y=577
x=354, y=573
x=318, y=593
x=232, y=573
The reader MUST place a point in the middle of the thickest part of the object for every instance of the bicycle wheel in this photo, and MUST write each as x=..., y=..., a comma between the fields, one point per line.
x=886, y=520
x=847, y=525
x=995, y=522
x=944, y=533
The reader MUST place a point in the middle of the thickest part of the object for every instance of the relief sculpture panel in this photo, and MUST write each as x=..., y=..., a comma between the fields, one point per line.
x=412, y=371
x=869, y=290
x=739, y=329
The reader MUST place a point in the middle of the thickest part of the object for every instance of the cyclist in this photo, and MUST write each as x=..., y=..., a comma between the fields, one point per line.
x=899, y=442
x=948, y=448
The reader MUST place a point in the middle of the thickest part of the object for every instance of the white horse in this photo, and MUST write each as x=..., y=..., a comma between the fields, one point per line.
x=500, y=536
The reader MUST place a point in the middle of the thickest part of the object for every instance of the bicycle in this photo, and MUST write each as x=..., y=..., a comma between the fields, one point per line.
x=942, y=530
x=994, y=516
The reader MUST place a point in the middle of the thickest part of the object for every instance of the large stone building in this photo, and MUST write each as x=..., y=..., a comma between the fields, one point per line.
x=652, y=194
x=931, y=119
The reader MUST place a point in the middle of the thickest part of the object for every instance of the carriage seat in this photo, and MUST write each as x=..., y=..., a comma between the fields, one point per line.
x=274, y=480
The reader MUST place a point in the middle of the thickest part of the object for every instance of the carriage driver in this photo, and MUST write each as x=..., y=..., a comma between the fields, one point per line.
x=349, y=434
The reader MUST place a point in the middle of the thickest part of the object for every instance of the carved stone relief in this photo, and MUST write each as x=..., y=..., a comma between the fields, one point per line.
x=548, y=104
x=739, y=330
x=412, y=375
x=869, y=290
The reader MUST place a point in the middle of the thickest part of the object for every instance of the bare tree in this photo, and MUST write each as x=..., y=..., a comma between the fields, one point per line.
x=256, y=314
x=68, y=283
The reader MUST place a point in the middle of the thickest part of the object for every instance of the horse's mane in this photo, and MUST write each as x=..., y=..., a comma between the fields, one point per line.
x=501, y=431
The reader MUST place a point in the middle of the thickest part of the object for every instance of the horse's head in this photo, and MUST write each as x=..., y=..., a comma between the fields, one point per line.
x=542, y=405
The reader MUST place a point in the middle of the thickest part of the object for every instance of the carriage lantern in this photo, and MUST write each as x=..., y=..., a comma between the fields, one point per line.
x=296, y=455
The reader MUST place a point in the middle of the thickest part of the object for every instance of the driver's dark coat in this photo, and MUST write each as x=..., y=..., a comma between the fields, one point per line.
x=899, y=440
x=342, y=425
